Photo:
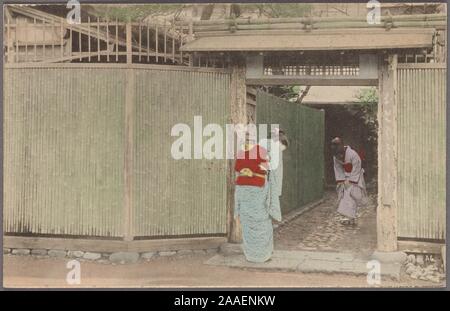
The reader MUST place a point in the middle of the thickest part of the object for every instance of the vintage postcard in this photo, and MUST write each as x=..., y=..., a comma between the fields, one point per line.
x=224, y=145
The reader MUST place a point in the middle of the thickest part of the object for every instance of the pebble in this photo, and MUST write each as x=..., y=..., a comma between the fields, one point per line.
x=57, y=253
x=75, y=254
x=420, y=260
x=21, y=251
x=184, y=252
x=92, y=256
x=39, y=252
x=167, y=253
x=148, y=255
x=124, y=257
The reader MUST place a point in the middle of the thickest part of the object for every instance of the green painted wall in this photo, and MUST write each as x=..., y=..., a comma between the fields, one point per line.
x=303, y=161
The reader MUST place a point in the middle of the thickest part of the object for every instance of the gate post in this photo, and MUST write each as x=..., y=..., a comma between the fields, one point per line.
x=387, y=156
x=238, y=115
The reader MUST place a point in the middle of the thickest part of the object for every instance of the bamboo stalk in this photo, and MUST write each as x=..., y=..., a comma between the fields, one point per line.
x=98, y=40
x=43, y=40
x=107, y=38
x=148, y=42
x=89, y=38
x=156, y=41
x=140, y=40
x=70, y=39
x=79, y=44
x=35, y=46
x=244, y=21
x=173, y=50
x=26, y=40
x=16, y=56
x=8, y=27
x=62, y=40
x=53, y=43
x=328, y=25
x=117, y=40
x=165, y=41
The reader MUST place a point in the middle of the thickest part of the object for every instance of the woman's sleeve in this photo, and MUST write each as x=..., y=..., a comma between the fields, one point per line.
x=238, y=163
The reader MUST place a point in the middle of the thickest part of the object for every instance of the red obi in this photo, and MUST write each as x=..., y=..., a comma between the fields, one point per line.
x=348, y=167
x=251, y=160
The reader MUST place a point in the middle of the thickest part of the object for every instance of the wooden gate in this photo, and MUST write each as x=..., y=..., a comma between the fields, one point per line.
x=303, y=161
x=421, y=150
x=88, y=151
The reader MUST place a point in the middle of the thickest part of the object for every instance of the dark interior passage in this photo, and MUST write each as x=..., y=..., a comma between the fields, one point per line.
x=349, y=123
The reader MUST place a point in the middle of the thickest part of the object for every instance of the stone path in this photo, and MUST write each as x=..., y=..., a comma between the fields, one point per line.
x=316, y=241
x=320, y=229
x=308, y=262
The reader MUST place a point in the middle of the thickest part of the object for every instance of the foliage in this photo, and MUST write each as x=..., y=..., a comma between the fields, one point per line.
x=290, y=93
x=279, y=9
x=368, y=109
x=127, y=13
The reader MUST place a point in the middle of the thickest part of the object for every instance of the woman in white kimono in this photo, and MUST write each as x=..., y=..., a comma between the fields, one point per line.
x=351, y=187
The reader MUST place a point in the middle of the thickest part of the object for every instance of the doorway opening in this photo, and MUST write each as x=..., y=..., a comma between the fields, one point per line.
x=348, y=112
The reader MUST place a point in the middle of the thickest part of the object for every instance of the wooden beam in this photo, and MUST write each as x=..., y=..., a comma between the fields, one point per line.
x=110, y=246
x=238, y=116
x=313, y=81
x=128, y=156
x=116, y=66
x=129, y=44
x=387, y=156
x=420, y=247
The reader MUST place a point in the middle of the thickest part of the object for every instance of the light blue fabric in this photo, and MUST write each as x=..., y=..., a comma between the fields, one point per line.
x=255, y=206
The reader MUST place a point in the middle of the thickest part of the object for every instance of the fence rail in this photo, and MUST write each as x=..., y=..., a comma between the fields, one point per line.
x=35, y=36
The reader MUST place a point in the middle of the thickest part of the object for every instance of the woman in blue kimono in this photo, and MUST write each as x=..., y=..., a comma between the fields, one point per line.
x=257, y=199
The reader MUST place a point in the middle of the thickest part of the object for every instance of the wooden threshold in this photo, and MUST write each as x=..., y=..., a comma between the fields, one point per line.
x=420, y=247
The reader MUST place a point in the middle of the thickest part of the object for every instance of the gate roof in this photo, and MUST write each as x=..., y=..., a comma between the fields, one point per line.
x=343, y=39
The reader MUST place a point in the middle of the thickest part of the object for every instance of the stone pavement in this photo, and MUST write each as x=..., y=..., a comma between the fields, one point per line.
x=308, y=262
x=317, y=242
x=320, y=229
